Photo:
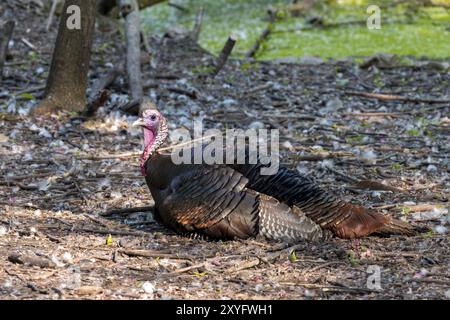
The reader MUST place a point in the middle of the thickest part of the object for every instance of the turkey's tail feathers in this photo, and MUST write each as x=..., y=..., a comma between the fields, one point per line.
x=280, y=222
x=394, y=226
x=360, y=222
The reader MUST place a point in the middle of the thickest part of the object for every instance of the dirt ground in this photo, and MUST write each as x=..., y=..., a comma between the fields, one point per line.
x=61, y=177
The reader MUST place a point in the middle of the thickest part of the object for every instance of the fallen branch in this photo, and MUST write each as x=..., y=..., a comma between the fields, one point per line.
x=132, y=107
x=223, y=57
x=390, y=97
x=428, y=280
x=18, y=184
x=30, y=90
x=51, y=14
x=29, y=44
x=109, y=156
x=266, y=32
x=375, y=186
x=376, y=114
x=96, y=103
x=31, y=260
x=198, y=24
x=6, y=31
x=154, y=254
x=343, y=175
x=100, y=231
x=185, y=143
x=178, y=7
x=127, y=211
x=104, y=82
x=189, y=93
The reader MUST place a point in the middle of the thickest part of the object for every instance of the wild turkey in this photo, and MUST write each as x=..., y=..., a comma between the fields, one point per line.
x=236, y=201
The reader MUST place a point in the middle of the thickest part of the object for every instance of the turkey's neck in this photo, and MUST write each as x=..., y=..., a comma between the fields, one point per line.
x=152, y=142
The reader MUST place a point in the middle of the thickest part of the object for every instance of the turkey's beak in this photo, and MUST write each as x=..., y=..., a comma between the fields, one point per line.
x=138, y=123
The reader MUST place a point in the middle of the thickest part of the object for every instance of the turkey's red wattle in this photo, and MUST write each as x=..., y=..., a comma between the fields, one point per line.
x=149, y=141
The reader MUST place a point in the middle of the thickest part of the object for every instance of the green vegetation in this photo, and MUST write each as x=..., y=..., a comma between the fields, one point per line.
x=406, y=28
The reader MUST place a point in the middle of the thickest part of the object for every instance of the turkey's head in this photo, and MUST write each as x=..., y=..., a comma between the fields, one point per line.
x=155, y=132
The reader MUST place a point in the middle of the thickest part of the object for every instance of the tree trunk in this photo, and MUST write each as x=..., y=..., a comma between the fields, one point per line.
x=6, y=31
x=130, y=11
x=67, y=80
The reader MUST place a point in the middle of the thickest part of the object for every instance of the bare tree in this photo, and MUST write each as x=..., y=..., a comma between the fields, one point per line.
x=6, y=31
x=67, y=80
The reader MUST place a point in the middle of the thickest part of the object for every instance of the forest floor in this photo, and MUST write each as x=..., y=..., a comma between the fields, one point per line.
x=61, y=176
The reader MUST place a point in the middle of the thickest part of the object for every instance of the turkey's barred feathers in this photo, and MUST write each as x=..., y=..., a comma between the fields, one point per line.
x=277, y=221
x=344, y=219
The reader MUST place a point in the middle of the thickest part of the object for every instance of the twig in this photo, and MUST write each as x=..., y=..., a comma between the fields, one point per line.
x=96, y=103
x=178, y=7
x=390, y=97
x=145, y=42
x=127, y=210
x=109, y=156
x=132, y=107
x=186, y=269
x=153, y=254
x=323, y=265
x=29, y=90
x=51, y=14
x=101, y=231
x=223, y=57
x=266, y=32
x=259, y=88
x=247, y=265
x=198, y=24
x=428, y=280
x=346, y=177
x=377, y=114
x=20, y=185
x=32, y=260
x=185, y=143
x=28, y=44
x=104, y=82
x=191, y=94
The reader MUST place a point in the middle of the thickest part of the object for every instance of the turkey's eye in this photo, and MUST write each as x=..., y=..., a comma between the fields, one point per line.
x=153, y=117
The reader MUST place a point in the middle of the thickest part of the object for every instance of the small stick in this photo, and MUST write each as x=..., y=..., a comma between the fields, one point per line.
x=266, y=32
x=226, y=51
x=177, y=6
x=104, y=82
x=346, y=177
x=100, y=231
x=30, y=89
x=28, y=44
x=127, y=211
x=191, y=94
x=185, y=143
x=51, y=14
x=391, y=97
x=145, y=42
x=153, y=254
x=198, y=24
x=110, y=156
x=96, y=103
